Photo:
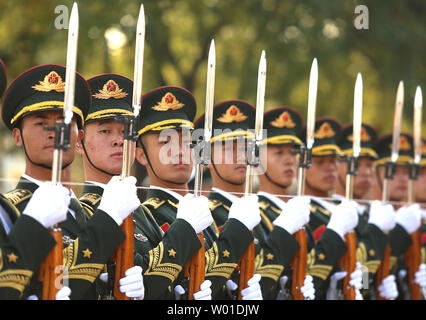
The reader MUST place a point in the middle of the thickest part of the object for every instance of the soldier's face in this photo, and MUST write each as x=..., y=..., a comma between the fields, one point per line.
x=40, y=142
x=398, y=189
x=420, y=186
x=230, y=159
x=363, y=181
x=281, y=163
x=322, y=175
x=170, y=155
x=103, y=141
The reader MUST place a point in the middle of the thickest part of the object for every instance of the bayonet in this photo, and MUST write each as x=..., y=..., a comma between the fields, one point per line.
x=48, y=271
x=383, y=270
x=299, y=261
x=247, y=260
x=194, y=269
x=124, y=253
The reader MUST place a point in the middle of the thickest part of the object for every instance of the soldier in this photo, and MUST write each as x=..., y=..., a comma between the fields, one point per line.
x=375, y=220
x=328, y=222
x=274, y=247
x=33, y=101
x=408, y=218
x=102, y=151
x=19, y=233
x=167, y=156
x=420, y=196
x=278, y=165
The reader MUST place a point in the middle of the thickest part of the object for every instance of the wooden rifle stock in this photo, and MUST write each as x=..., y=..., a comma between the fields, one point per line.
x=348, y=263
x=195, y=270
x=246, y=266
x=50, y=272
x=412, y=259
x=299, y=265
x=383, y=271
x=124, y=257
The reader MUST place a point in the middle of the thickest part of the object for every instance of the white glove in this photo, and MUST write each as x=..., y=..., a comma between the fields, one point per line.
x=308, y=289
x=382, y=215
x=49, y=204
x=253, y=291
x=63, y=294
x=356, y=277
x=409, y=217
x=344, y=218
x=205, y=292
x=332, y=289
x=294, y=215
x=119, y=199
x=132, y=283
x=420, y=276
x=195, y=211
x=246, y=210
x=388, y=288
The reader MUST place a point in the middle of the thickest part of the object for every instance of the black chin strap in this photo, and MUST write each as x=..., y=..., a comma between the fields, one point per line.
x=274, y=182
x=152, y=169
x=227, y=181
x=92, y=164
x=35, y=163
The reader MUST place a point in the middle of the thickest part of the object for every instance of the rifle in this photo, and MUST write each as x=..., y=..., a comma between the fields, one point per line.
x=413, y=254
x=48, y=272
x=348, y=260
x=125, y=252
x=383, y=270
x=298, y=263
x=246, y=264
x=195, y=268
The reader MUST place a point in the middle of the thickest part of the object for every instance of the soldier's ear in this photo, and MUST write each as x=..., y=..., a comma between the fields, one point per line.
x=16, y=132
x=141, y=156
x=79, y=145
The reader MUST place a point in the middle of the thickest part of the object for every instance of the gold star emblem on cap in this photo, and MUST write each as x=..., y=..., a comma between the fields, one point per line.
x=168, y=101
x=321, y=256
x=87, y=253
x=226, y=253
x=269, y=256
x=404, y=144
x=172, y=253
x=232, y=114
x=283, y=120
x=371, y=252
x=365, y=137
x=110, y=90
x=12, y=257
x=52, y=81
x=324, y=131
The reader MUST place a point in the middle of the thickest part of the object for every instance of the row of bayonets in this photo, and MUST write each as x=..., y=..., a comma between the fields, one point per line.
x=195, y=268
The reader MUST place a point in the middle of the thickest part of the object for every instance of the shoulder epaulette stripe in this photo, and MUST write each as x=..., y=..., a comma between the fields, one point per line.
x=18, y=195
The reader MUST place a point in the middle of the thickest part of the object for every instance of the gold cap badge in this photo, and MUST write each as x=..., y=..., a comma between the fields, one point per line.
x=283, y=120
x=324, y=131
x=110, y=90
x=52, y=81
x=232, y=114
x=168, y=102
x=404, y=145
x=364, y=136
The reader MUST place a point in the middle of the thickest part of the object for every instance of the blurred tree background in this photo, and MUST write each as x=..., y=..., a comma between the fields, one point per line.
x=178, y=35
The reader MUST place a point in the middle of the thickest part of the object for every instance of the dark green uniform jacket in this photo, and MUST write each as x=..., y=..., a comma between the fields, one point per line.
x=274, y=247
x=162, y=256
x=371, y=241
x=223, y=250
x=21, y=251
x=88, y=244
